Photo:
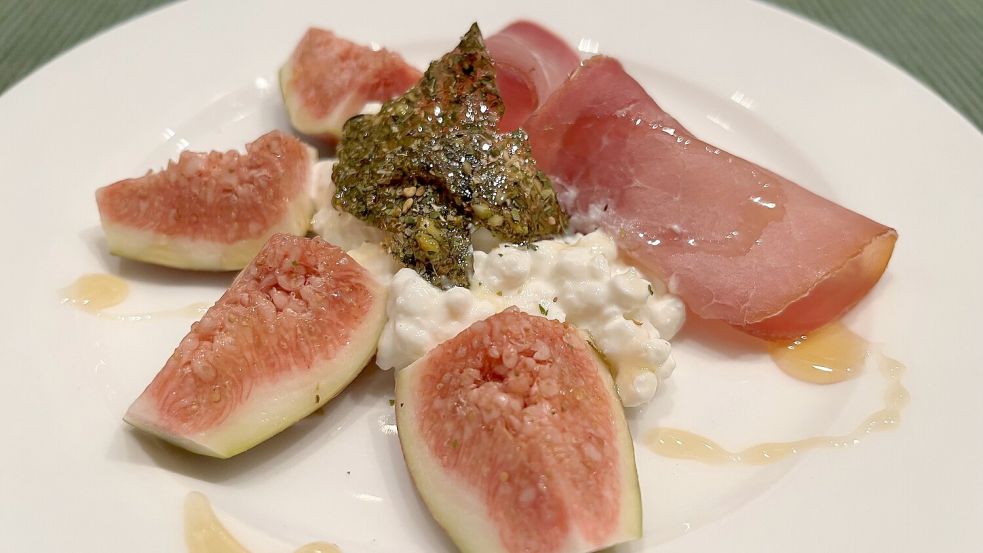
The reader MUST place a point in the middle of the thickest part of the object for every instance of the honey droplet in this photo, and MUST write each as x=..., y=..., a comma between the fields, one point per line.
x=681, y=444
x=204, y=533
x=95, y=292
x=829, y=355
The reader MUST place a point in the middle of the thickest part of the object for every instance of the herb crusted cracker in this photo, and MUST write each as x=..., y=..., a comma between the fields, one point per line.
x=432, y=164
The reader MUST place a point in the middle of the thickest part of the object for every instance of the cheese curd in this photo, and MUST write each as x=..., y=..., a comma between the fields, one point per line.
x=341, y=229
x=578, y=280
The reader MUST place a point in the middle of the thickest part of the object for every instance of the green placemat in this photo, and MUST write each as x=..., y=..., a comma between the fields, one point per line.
x=940, y=42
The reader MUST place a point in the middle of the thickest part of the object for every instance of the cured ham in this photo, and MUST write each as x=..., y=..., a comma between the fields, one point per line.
x=737, y=242
x=530, y=63
x=329, y=79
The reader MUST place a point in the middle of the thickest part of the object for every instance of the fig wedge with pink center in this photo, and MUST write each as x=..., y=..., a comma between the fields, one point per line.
x=515, y=439
x=296, y=326
x=211, y=211
x=329, y=79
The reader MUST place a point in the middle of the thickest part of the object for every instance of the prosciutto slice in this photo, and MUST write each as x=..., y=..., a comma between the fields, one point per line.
x=736, y=241
x=530, y=63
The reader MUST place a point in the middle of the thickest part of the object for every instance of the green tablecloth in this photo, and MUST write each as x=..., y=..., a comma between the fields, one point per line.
x=940, y=42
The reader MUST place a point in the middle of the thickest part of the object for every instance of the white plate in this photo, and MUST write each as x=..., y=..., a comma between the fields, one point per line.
x=743, y=75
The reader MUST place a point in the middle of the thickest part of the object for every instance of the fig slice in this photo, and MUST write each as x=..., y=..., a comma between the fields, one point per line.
x=516, y=441
x=211, y=211
x=329, y=79
x=296, y=326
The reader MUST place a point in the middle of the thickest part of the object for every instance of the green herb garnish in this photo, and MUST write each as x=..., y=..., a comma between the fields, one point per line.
x=432, y=164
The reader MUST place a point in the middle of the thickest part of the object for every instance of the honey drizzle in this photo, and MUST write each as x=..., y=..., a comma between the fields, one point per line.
x=204, y=533
x=830, y=355
x=194, y=310
x=96, y=292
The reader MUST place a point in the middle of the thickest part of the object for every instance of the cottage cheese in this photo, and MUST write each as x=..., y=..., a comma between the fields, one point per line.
x=578, y=280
